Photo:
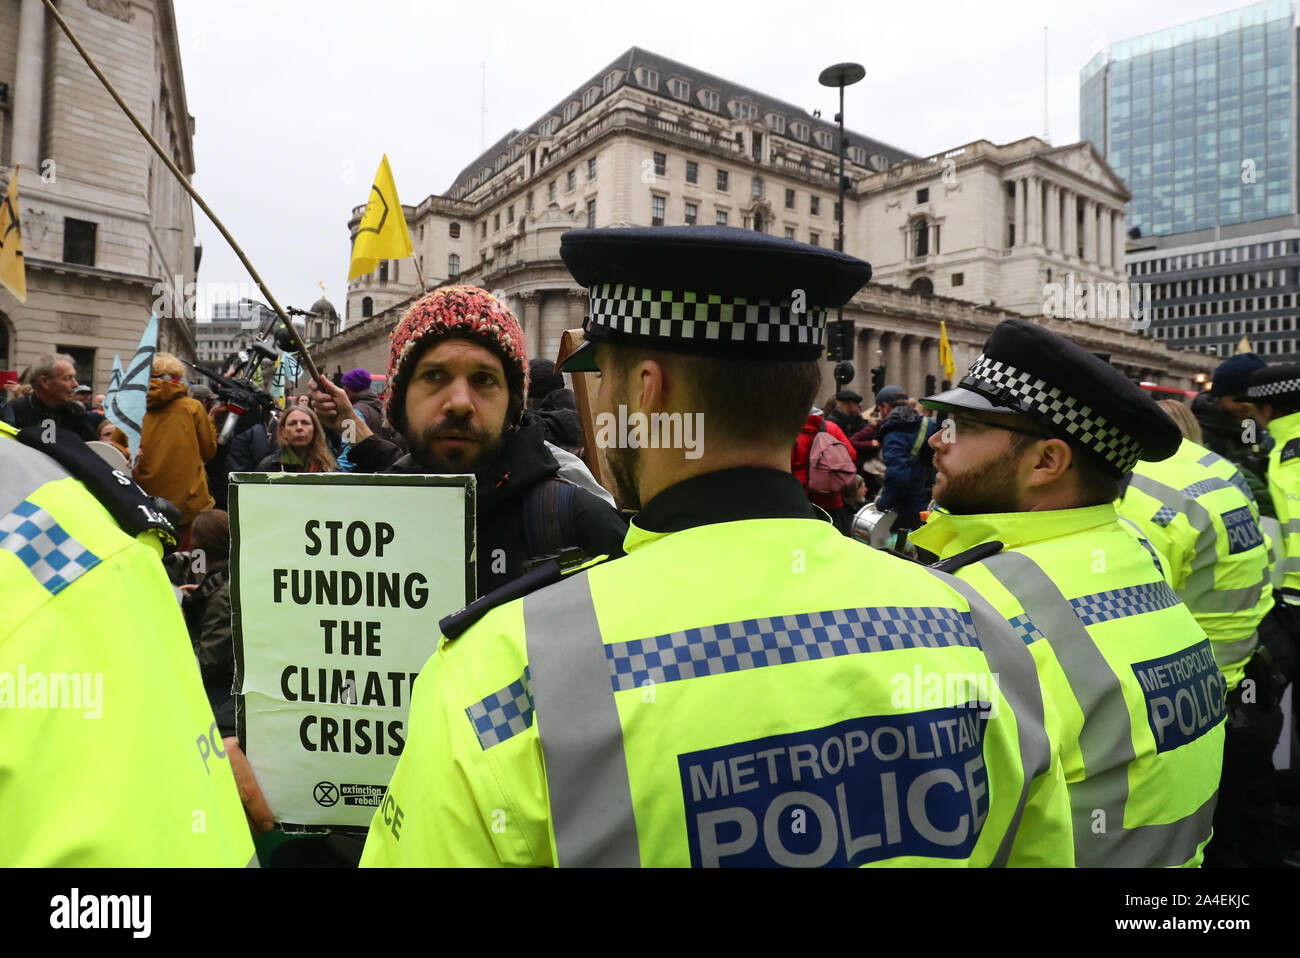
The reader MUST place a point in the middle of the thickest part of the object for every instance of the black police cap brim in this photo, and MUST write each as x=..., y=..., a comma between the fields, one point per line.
x=959, y=398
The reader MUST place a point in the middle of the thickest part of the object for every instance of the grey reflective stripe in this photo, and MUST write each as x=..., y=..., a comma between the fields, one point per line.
x=253, y=862
x=22, y=472
x=578, y=724
x=1292, y=526
x=1011, y=662
x=1234, y=653
x=1198, y=591
x=1106, y=739
x=1291, y=564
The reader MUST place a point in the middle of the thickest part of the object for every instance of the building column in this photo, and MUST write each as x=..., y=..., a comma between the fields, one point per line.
x=1052, y=239
x=894, y=359
x=532, y=321
x=1071, y=215
x=29, y=79
x=915, y=378
x=1034, y=218
x=1089, y=231
x=1117, y=249
x=1104, y=234
x=1020, y=211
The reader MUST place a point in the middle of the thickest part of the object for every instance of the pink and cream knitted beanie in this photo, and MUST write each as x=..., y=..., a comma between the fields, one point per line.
x=462, y=311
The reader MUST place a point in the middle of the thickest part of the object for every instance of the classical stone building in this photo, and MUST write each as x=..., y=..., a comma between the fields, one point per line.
x=962, y=236
x=105, y=223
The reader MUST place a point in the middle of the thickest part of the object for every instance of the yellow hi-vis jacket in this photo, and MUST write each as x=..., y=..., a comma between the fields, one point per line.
x=1141, y=700
x=1284, y=486
x=747, y=692
x=1197, y=510
x=109, y=755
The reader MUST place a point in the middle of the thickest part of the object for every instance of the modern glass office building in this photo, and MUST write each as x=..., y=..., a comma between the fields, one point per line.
x=1199, y=119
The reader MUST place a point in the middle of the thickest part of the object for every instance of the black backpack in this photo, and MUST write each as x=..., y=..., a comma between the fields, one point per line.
x=550, y=531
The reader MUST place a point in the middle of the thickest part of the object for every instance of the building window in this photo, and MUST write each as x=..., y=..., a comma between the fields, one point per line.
x=79, y=242
x=692, y=214
x=722, y=181
x=721, y=218
x=591, y=213
x=548, y=127
x=756, y=189
x=823, y=139
x=453, y=230
x=923, y=195
x=496, y=222
x=550, y=192
x=789, y=199
x=570, y=110
x=482, y=230
x=589, y=97
x=815, y=205
x=611, y=81
x=367, y=307
x=709, y=100
x=679, y=89
x=453, y=266
x=383, y=271
x=815, y=238
x=591, y=167
x=510, y=213
x=656, y=211
x=661, y=164
x=692, y=171
x=959, y=279
x=789, y=232
x=528, y=205
x=650, y=79
x=800, y=131
x=572, y=181
x=777, y=122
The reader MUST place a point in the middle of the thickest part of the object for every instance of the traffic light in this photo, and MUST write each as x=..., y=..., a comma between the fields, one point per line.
x=877, y=379
x=930, y=385
x=839, y=340
x=843, y=374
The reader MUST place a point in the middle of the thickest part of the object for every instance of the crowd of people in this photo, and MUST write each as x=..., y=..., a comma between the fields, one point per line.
x=1008, y=499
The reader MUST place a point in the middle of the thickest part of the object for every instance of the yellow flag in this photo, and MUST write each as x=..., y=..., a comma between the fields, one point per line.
x=13, y=272
x=945, y=353
x=382, y=233
x=1244, y=345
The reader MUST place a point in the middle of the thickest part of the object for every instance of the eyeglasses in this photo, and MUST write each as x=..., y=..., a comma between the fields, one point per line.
x=966, y=422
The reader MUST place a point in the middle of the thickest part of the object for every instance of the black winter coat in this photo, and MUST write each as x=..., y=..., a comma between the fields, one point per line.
x=523, y=462
x=29, y=411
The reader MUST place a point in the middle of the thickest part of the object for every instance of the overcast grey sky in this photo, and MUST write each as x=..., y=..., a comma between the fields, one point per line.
x=296, y=100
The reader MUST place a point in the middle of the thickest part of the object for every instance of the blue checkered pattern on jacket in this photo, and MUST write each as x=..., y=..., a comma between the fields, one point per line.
x=1026, y=629
x=503, y=714
x=756, y=643
x=1206, y=485
x=1164, y=515
x=1120, y=603
x=54, y=557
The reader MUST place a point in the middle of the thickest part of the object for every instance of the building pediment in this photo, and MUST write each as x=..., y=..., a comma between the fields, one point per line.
x=1083, y=159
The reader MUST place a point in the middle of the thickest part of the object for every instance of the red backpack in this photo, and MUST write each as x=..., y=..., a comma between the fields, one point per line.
x=830, y=465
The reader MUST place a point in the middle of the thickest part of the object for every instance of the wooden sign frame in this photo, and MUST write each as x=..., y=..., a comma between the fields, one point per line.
x=585, y=387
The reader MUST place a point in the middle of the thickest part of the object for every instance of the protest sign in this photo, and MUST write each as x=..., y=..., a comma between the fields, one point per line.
x=337, y=585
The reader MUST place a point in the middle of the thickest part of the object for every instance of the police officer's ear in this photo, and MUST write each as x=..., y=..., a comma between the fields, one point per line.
x=1046, y=460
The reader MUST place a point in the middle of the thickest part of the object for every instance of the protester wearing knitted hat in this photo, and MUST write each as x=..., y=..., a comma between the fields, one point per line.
x=356, y=383
x=458, y=378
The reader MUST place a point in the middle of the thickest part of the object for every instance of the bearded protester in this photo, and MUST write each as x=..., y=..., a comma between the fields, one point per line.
x=457, y=376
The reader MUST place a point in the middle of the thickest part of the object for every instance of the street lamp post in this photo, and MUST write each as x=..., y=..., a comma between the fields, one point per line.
x=841, y=75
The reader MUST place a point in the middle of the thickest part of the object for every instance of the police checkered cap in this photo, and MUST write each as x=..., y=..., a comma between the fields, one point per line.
x=1031, y=371
x=1036, y=397
x=1273, y=382
x=708, y=290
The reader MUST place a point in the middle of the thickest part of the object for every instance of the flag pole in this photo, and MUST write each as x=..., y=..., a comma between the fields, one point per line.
x=185, y=182
x=418, y=272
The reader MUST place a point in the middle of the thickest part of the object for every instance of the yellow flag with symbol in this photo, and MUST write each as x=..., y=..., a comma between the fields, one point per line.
x=945, y=353
x=382, y=233
x=13, y=270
